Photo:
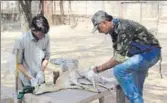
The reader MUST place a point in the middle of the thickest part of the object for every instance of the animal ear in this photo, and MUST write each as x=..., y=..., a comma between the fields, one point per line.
x=76, y=63
x=65, y=67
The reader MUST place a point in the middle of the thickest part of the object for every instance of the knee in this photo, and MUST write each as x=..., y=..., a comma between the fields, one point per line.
x=137, y=100
x=120, y=71
x=116, y=72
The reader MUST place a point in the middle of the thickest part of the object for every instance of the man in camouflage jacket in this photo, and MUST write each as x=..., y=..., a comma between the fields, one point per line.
x=135, y=51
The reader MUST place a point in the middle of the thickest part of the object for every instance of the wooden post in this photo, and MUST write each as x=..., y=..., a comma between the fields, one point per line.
x=101, y=100
x=62, y=11
x=121, y=9
x=2, y=17
x=50, y=6
x=120, y=96
x=16, y=76
x=103, y=5
x=42, y=3
x=141, y=12
x=69, y=12
x=157, y=17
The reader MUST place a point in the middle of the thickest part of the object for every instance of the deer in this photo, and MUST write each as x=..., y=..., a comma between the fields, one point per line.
x=72, y=77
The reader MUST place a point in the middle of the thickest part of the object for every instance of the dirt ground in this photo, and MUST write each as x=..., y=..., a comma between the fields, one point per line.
x=90, y=49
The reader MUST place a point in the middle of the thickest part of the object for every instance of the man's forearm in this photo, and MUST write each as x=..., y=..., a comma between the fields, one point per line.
x=24, y=71
x=44, y=64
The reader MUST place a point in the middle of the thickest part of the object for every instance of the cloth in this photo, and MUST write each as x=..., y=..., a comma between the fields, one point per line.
x=31, y=53
x=57, y=61
x=96, y=78
x=34, y=82
x=40, y=77
x=132, y=73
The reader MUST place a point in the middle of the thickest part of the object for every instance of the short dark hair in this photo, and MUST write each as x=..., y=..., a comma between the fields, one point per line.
x=109, y=17
x=40, y=23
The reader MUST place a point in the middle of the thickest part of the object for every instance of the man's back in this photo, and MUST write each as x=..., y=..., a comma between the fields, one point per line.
x=126, y=31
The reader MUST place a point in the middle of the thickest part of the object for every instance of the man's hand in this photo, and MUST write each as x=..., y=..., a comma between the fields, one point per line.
x=97, y=69
x=24, y=71
x=93, y=76
x=44, y=65
x=40, y=77
x=34, y=82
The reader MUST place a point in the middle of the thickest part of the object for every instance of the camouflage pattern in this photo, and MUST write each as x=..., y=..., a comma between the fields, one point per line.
x=126, y=31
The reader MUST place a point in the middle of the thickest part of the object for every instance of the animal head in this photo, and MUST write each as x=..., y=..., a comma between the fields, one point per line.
x=69, y=65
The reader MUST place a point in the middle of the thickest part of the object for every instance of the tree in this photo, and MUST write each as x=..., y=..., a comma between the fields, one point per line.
x=62, y=11
x=69, y=11
x=25, y=6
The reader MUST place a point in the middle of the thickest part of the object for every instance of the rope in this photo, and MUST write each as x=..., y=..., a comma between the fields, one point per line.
x=160, y=66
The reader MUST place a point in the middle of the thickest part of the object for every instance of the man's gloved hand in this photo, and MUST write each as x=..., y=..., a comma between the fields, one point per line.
x=93, y=77
x=34, y=82
x=40, y=77
x=91, y=74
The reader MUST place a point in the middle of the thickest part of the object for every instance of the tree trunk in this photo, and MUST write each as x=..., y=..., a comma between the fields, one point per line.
x=69, y=12
x=26, y=17
x=62, y=11
x=26, y=8
x=23, y=21
x=42, y=7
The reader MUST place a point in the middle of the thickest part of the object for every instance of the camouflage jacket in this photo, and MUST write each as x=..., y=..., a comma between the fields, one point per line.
x=126, y=31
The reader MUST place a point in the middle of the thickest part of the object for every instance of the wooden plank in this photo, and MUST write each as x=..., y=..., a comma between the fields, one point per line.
x=71, y=95
x=120, y=96
x=102, y=100
x=65, y=96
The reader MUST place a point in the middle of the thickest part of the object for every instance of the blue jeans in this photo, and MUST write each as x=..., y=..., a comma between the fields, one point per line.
x=132, y=73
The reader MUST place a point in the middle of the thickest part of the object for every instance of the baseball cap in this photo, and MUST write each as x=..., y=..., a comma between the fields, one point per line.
x=97, y=18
